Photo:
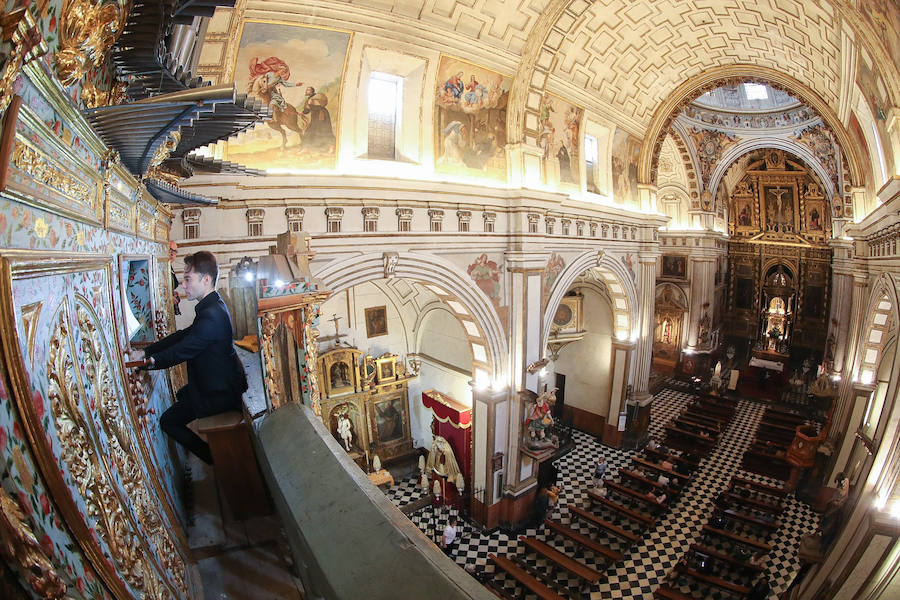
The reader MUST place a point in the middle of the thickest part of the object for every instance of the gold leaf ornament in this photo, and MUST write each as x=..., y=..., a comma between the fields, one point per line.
x=87, y=31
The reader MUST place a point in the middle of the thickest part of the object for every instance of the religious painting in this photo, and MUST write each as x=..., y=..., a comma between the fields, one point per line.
x=884, y=17
x=743, y=293
x=814, y=301
x=470, y=120
x=779, y=202
x=559, y=137
x=339, y=376
x=744, y=213
x=376, y=321
x=389, y=419
x=386, y=368
x=674, y=266
x=872, y=85
x=298, y=71
x=815, y=216
x=626, y=152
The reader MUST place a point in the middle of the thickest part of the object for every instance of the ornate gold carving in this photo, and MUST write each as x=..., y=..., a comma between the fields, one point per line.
x=21, y=32
x=30, y=314
x=167, y=147
x=85, y=465
x=22, y=551
x=123, y=449
x=269, y=324
x=44, y=169
x=87, y=31
x=310, y=335
x=92, y=97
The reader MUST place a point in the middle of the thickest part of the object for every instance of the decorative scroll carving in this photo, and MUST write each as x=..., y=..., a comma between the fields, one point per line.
x=93, y=97
x=20, y=549
x=83, y=464
x=269, y=324
x=24, y=37
x=45, y=170
x=87, y=31
x=310, y=335
x=123, y=449
x=86, y=467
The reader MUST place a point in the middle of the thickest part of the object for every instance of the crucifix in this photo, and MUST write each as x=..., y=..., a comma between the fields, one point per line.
x=337, y=334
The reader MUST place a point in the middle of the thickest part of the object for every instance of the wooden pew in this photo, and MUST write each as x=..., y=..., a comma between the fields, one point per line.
x=718, y=582
x=689, y=441
x=583, y=540
x=568, y=563
x=622, y=510
x=597, y=521
x=623, y=489
x=634, y=476
x=786, y=429
x=752, y=502
x=661, y=469
x=751, y=520
x=707, y=529
x=523, y=577
x=762, y=487
x=693, y=464
x=766, y=464
x=721, y=556
x=702, y=418
x=664, y=592
x=688, y=425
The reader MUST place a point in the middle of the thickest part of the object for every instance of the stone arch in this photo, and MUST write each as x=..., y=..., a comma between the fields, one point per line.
x=715, y=77
x=799, y=150
x=618, y=282
x=465, y=300
x=881, y=319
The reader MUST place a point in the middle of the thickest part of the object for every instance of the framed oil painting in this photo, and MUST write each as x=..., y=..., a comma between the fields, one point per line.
x=389, y=419
x=674, y=266
x=386, y=368
x=376, y=321
x=299, y=72
x=470, y=120
x=779, y=202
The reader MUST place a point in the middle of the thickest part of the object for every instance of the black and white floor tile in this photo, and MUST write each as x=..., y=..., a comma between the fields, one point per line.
x=648, y=561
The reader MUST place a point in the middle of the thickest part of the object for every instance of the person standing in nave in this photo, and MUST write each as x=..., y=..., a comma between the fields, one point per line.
x=216, y=377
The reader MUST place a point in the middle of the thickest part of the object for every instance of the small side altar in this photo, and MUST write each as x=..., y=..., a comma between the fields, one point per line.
x=365, y=403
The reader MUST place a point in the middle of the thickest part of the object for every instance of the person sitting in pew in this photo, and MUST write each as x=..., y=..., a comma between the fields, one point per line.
x=661, y=497
x=667, y=464
x=760, y=590
x=663, y=480
x=683, y=468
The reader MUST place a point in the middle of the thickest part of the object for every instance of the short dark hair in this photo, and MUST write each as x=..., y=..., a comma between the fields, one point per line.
x=452, y=519
x=202, y=263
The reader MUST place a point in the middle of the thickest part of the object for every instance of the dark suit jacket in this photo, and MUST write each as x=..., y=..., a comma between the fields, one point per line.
x=214, y=370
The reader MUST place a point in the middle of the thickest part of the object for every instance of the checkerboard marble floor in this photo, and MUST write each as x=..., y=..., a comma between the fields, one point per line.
x=648, y=561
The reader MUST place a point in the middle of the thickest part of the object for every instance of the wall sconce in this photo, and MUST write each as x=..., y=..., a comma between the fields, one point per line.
x=537, y=366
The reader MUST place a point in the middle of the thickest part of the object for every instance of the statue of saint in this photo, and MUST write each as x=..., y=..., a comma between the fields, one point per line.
x=539, y=420
x=344, y=431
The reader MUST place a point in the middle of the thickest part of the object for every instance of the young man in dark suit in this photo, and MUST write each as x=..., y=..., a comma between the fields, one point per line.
x=216, y=377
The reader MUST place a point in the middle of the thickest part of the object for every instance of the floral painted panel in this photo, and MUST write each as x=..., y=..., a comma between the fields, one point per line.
x=41, y=107
x=136, y=274
x=20, y=478
x=78, y=396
